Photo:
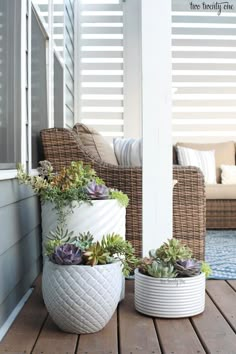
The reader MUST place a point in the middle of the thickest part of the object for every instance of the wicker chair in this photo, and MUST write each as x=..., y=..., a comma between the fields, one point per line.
x=61, y=146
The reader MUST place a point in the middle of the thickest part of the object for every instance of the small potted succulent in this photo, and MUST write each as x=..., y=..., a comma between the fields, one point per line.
x=77, y=199
x=82, y=280
x=170, y=283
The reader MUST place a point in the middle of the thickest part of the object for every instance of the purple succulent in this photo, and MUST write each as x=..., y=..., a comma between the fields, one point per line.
x=66, y=254
x=188, y=267
x=97, y=191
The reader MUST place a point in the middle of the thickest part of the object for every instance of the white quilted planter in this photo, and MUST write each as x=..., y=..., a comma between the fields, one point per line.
x=102, y=218
x=81, y=299
x=169, y=298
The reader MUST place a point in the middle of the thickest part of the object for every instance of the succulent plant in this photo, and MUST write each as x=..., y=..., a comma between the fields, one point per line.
x=97, y=191
x=67, y=254
x=161, y=270
x=172, y=251
x=121, y=197
x=188, y=267
x=50, y=246
x=144, y=263
x=83, y=241
x=205, y=268
x=96, y=255
x=60, y=235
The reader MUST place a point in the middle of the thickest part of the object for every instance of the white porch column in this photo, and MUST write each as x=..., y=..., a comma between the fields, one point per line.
x=157, y=141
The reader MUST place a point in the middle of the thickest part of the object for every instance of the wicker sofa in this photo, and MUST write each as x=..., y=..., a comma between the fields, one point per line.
x=61, y=146
x=220, y=198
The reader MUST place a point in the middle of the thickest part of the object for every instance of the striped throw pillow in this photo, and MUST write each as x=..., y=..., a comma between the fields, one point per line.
x=128, y=151
x=205, y=160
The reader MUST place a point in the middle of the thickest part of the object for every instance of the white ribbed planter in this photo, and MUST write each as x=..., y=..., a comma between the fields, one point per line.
x=102, y=218
x=169, y=298
x=81, y=299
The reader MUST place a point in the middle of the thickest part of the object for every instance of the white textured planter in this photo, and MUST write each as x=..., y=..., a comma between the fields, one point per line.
x=169, y=298
x=102, y=218
x=81, y=299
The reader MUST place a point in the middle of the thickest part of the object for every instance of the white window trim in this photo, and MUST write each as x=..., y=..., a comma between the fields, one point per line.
x=157, y=139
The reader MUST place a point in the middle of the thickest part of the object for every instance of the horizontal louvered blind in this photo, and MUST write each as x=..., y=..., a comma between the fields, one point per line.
x=101, y=66
x=204, y=73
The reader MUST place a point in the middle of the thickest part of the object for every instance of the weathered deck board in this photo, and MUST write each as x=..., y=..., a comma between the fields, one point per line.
x=232, y=283
x=23, y=333
x=103, y=342
x=177, y=336
x=213, y=330
x=33, y=332
x=53, y=341
x=225, y=298
x=137, y=333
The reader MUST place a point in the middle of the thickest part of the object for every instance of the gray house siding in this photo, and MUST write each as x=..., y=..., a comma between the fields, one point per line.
x=20, y=244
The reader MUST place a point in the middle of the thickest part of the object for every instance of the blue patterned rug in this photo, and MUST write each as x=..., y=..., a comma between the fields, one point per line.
x=221, y=253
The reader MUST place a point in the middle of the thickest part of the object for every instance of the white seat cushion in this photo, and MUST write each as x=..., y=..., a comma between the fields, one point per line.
x=221, y=191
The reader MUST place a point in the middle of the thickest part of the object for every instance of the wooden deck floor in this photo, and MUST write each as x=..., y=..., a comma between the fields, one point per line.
x=129, y=332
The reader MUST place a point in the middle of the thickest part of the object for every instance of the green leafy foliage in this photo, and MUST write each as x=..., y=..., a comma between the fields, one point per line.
x=83, y=241
x=205, y=268
x=111, y=248
x=50, y=246
x=172, y=259
x=72, y=183
x=122, y=198
x=120, y=249
x=161, y=270
x=172, y=251
x=96, y=255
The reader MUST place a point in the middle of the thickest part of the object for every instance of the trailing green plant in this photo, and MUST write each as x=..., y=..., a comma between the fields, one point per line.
x=161, y=270
x=172, y=259
x=111, y=248
x=77, y=182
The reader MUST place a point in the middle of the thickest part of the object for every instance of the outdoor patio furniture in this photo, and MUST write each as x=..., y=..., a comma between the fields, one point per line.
x=61, y=146
x=220, y=198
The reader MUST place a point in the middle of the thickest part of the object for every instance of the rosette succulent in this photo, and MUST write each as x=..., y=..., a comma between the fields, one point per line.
x=97, y=191
x=161, y=270
x=66, y=254
x=188, y=267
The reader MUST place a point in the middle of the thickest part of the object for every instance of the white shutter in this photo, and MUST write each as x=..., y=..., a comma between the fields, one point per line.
x=204, y=73
x=101, y=66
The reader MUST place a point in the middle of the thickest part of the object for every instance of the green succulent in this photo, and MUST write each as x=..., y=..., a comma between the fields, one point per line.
x=96, y=255
x=121, y=250
x=60, y=235
x=122, y=198
x=50, y=246
x=172, y=251
x=161, y=270
x=205, y=268
x=83, y=241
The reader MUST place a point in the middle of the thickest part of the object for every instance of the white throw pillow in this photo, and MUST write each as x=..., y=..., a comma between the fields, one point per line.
x=128, y=151
x=205, y=160
x=228, y=174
